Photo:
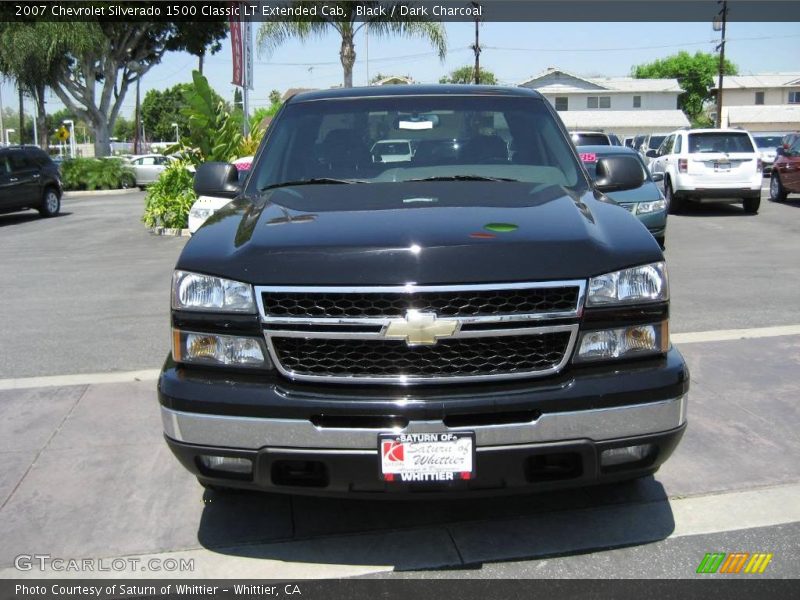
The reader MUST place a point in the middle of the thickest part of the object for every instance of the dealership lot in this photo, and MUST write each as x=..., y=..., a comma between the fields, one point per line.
x=87, y=474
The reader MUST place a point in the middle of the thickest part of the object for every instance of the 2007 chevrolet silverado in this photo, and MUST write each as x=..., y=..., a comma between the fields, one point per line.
x=471, y=316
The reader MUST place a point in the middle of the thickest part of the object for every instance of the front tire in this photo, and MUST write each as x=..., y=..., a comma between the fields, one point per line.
x=777, y=193
x=51, y=203
x=675, y=204
x=660, y=240
x=751, y=205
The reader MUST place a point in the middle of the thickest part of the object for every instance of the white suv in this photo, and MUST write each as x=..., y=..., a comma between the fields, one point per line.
x=709, y=164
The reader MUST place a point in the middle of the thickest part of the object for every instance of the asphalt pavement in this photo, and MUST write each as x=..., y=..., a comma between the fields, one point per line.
x=86, y=473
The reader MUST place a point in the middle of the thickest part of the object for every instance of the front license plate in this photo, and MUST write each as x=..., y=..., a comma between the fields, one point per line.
x=427, y=457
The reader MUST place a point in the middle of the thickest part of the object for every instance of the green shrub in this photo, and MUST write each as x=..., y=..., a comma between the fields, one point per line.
x=95, y=174
x=169, y=199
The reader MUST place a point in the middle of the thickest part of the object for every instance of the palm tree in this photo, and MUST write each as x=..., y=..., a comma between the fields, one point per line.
x=273, y=34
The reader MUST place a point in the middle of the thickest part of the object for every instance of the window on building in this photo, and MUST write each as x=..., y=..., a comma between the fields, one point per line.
x=562, y=103
x=759, y=97
x=794, y=97
x=637, y=102
x=598, y=102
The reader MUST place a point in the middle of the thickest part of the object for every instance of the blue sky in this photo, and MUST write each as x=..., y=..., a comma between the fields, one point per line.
x=513, y=51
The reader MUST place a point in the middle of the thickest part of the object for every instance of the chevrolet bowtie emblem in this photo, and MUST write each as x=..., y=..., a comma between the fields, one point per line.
x=419, y=329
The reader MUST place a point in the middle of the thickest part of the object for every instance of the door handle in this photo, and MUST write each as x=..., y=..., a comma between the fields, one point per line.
x=13, y=179
x=36, y=176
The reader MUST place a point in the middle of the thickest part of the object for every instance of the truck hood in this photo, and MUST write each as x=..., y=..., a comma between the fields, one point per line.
x=418, y=232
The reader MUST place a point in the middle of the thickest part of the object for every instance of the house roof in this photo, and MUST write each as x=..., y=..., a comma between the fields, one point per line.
x=764, y=80
x=609, y=120
x=765, y=113
x=552, y=81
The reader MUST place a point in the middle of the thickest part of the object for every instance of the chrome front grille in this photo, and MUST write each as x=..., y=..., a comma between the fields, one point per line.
x=421, y=334
x=470, y=357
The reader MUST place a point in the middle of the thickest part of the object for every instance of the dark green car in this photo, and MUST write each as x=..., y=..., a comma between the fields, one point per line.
x=646, y=202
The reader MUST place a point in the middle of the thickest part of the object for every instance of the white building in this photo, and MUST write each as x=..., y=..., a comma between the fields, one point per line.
x=621, y=105
x=767, y=102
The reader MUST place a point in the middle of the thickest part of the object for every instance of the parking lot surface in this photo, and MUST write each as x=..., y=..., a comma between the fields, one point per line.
x=87, y=474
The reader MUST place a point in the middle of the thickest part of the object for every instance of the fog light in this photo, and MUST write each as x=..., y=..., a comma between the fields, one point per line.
x=229, y=464
x=627, y=454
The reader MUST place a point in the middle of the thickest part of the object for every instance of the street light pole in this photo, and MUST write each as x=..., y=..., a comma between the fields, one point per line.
x=72, y=144
x=177, y=133
x=8, y=137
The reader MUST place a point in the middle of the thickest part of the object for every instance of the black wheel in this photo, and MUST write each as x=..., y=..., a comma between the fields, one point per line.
x=141, y=187
x=127, y=182
x=660, y=240
x=675, y=204
x=751, y=205
x=777, y=193
x=51, y=203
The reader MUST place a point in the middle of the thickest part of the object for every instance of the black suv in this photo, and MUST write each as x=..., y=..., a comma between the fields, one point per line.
x=473, y=320
x=29, y=179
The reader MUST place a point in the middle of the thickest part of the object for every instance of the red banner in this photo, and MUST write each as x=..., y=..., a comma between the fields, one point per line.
x=236, y=49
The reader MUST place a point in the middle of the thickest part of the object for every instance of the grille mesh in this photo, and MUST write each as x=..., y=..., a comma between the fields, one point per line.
x=470, y=357
x=445, y=304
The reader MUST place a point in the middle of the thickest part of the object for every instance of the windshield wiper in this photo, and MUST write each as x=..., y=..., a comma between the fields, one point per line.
x=312, y=181
x=461, y=178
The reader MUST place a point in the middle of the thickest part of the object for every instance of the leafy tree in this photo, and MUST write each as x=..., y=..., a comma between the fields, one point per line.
x=696, y=74
x=161, y=108
x=275, y=97
x=124, y=129
x=94, y=64
x=466, y=74
x=273, y=34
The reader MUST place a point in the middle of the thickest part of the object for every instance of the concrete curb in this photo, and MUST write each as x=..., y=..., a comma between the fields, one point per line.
x=89, y=194
x=174, y=232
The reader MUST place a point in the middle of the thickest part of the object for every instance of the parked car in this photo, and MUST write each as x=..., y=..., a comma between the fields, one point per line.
x=637, y=144
x=767, y=145
x=614, y=139
x=590, y=138
x=205, y=206
x=709, y=164
x=645, y=202
x=482, y=323
x=148, y=167
x=785, y=177
x=29, y=179
x=388, y=151
x=650, y=143
x=628, y=142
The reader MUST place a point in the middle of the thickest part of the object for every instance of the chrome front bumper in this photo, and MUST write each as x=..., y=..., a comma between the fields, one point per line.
x=251, y=433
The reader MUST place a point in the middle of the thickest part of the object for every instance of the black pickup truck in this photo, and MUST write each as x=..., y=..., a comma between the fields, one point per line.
x=454, y=309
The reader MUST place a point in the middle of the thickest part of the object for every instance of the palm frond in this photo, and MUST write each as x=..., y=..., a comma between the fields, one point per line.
x=272, y=34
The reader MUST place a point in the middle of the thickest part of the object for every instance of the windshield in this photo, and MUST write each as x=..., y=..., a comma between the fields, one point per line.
x=392, y=139
x=655, y=141
x=720, y=142
x=590, y=139
x=768, y=141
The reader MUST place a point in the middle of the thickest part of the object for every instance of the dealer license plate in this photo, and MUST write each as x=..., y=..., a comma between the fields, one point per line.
x=427, y=457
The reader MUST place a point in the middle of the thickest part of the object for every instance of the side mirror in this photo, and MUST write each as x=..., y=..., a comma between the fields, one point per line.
x=657, y=177
x=217, y=179
x=651, y=153
x=617, y=173
x=780, y=151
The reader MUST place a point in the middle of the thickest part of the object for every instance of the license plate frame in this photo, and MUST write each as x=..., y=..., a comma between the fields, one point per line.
x=450, y=457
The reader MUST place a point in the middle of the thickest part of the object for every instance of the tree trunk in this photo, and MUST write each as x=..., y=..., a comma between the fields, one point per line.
x=21, y=133
x=102, y=141
x=41, y=117
x=200, y=62
x=348, y=57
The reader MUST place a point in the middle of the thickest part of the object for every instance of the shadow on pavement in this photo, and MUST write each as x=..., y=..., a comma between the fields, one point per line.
x=25, y=217
x=715, y=209
x=429, y=534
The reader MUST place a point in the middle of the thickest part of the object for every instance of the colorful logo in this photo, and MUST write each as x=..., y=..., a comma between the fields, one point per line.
x=393, y=451
x=734, y=562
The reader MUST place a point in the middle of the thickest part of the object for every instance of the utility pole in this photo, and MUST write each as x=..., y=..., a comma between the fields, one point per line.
x=2, y=127
x=21, y=116
x=136, y=121
x=723, y=14
x=476, y=47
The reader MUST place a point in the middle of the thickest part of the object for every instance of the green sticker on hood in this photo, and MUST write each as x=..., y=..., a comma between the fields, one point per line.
x=501, y=227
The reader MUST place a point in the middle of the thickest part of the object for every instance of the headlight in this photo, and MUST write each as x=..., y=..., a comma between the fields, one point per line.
x=192, y=291
x=214, y=349
x=201, y=213
x=647, y=283
x=625, y=342
x=644, y=208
